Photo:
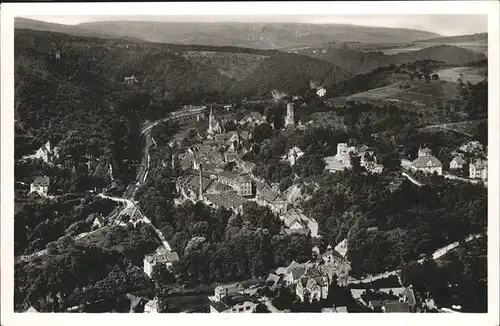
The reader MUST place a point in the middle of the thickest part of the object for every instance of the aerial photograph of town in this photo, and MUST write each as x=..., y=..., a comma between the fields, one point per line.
x=254, y=166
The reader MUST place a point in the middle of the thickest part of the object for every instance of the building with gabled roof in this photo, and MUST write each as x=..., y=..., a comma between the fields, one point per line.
x=236, y=303
x=40, y=185
x=457, y=163
x=295, y=219
x=160, y=256
x=426, y=162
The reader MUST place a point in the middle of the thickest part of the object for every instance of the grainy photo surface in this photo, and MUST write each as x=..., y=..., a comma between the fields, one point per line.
x=269, y=164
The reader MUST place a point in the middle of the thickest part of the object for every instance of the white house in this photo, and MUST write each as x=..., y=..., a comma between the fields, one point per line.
x=479, y=169
x=40, y=185
x=321, y=92
x=47, y=153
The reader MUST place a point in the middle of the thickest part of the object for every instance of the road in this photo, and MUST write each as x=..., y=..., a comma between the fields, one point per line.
x=415, y=182
x=437, y=254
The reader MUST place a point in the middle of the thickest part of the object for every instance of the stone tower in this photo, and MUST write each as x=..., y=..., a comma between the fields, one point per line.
x=289, y=119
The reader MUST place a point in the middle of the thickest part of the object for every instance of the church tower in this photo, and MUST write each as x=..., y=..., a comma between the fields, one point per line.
x=289, y=119
x=210, y=119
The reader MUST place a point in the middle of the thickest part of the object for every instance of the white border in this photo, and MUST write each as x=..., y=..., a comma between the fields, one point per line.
x=9, y=11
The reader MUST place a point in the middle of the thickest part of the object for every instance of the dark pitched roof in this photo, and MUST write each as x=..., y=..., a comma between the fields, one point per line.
x=423, y=162
x=41, y=181
x=226, y=199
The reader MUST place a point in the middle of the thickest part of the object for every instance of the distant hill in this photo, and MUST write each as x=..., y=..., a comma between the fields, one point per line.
x=357, y=62
x=478, y=37
x=256, y=35
x=188, y=73
x=23, y=23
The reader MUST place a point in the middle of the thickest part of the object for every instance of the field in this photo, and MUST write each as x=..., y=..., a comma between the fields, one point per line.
x=470, y=74
x=419, y=91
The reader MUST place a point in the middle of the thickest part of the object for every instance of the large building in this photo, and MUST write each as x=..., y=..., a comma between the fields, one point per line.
x=160, y=256
x=426, y=162
x=341, y=160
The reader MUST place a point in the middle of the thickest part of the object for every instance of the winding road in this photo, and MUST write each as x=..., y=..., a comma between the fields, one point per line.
x=436, y=255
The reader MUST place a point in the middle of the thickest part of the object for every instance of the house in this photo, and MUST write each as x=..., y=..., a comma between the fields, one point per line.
x=426, y=162
x=31, y=309
x=266, y=196
x=341, y=248
x=312, y=285
x=136, y=303
x=478, y=169
x=98, y=221
x=472, y=147
x=235, y=303
x=47, y=153
x=293, y=272
x=254, y=118
x=160, y=256
x=293, y=155
x=130, y=80
x=40, y=185
x=321, y=92
x=151, y=306
x=225, y=290
x=295, y=219
x=457, y=163
x=368, y=160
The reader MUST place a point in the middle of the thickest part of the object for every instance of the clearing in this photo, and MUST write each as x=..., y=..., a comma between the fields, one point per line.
x=473, y=75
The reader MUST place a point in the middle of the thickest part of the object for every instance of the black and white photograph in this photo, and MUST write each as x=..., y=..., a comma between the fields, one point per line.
x=261, y=162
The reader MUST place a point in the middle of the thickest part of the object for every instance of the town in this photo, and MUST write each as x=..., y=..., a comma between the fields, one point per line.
x=332, y=200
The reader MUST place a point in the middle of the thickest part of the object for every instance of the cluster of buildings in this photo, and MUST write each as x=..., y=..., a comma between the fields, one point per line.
x=389, y=300
x=342, y=160
x=470, y=153
x=231, y=298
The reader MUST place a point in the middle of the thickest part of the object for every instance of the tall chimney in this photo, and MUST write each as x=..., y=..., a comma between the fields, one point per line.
x=201, y=182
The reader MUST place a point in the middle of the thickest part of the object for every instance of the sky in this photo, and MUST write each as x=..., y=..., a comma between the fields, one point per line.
x=446, y=25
